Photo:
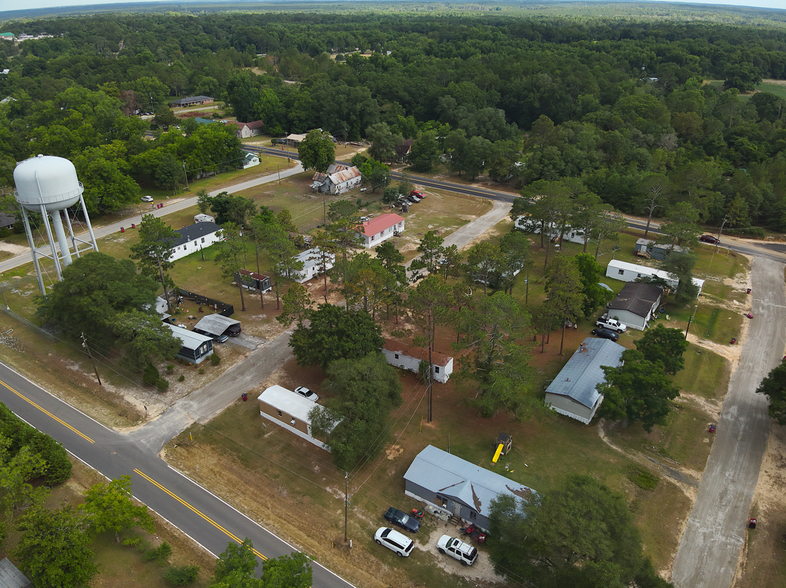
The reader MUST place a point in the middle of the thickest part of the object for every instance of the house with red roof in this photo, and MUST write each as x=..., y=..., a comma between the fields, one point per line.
x=244, y=130
x=409, y=358
x=380, y=228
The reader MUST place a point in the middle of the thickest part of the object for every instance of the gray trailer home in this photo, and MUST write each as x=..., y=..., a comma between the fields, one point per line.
x=573, y=392
x=195, y=347
x=635, y=305
x=458, y=487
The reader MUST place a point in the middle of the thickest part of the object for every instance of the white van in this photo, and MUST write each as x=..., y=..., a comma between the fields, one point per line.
x=394, y=541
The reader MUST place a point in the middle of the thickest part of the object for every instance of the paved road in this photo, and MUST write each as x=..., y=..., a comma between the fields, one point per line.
x=715, y=533
x=205, y=518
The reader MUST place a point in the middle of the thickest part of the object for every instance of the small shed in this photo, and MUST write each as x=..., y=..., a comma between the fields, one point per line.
x=458, y=487
x=652, y=250
x=573, y=392
x=195, y=238
x=312, y=264
x=250, y=160
x=195, y=347
x=253, y=281
x=380, y=228
x=635, y=304
x=409, y=358
x=290, y=411
x=215, y=325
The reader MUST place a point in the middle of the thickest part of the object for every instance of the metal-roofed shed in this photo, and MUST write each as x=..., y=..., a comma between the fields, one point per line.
x=458, y=487
x=11, y=577
x=216, y=325
x=573, y=392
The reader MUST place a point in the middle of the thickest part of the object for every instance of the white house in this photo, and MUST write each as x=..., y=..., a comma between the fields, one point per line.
x=195, y=238
x=250, y=160
x=409, y=358
x=528, y=225
x=338, y=179
x=312, y=264
x=635, y=305
x=245, y=130
x=573, y=392
x=194, y=347
x=380, y=228
x=629, y=272
x=290, y=411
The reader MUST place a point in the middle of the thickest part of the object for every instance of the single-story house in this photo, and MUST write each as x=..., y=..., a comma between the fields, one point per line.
x=7, y=36
x=458, y=487
x=404, y=149
x=574, y=391
x=11, y=577
x=196, y=347
x=253, y=280
x=195, y=238
x=635, y=304
x=652, y=250
x=295, y=139
x=192, y=101
x=528, y=225
x=409, y=358
x=312, y=264
x=337, y=180
x=204, y=218
x=250, y=160
x=215, y=325
x=289, y=410
x=244, y=130
x=629, y=272
x=7, y=221
x=380, y=228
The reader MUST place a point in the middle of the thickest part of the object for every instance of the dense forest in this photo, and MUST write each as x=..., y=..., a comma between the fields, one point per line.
x=621, y=106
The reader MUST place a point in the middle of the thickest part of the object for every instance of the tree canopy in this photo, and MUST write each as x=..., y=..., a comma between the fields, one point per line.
x=774, y=388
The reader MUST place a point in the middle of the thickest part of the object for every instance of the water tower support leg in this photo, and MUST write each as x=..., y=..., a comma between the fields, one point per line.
x=65, y=250
x=71, y=233
x=52, y=247
x=87, y=221
x=30, y=242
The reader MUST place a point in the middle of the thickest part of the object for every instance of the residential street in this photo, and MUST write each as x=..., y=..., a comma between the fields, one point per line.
x=715, y=533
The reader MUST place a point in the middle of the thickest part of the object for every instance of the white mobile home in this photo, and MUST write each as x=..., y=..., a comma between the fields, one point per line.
x=289, y=410
x=527, y=225
x=409, y=358
x=312, y=264
x=629, y=272
x=195, y=238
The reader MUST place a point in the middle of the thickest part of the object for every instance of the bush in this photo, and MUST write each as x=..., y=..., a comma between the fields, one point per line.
x=201, y=371
x=58, y=466
x=181, y=378
x=215, y=359
x=162, y=553
x=132, y=541
x=162, y=384
x=170, y=367
x=150, y=375
x=181, y=576
x=642, y=477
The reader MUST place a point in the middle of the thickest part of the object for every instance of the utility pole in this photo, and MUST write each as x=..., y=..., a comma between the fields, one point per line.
x=185, y=174
x=714, y=251
x=690, y=320
x=346, y=503
x=90, y=355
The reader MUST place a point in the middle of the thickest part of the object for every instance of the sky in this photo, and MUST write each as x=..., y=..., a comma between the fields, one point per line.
x=27, y=4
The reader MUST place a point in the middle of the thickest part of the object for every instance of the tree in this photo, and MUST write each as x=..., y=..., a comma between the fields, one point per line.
x=681, y=227
x=232, y=209
x=637, y=390
x=155, y=247
x=287, y=571
x=145, y=336
x=366, y=389
x=335, y=333
x=110, y=507
x=383, y=142
x=591, y=272
x=484, y=261
x=608, y=226
x=424, y=153
x=54, y=551
x=653, y=190
x=236, y=562
x=580, y=535
x=774, y=388
x=490, y=332
x=516, y=258
x=231, y=254
x=317, y=151
x=375, y=174
x=564, y=292
x=430, y=250
x=297, y=304
x=664, y=346
x=680, y=264
x=16, y=472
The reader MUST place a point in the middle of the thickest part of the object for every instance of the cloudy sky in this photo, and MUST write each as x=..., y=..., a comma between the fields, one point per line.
x=20, y=4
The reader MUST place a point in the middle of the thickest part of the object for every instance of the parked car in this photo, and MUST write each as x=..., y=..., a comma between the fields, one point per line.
x=403, y=520
x=611, y=324
x=456, y=549
x=395, y=541
x=709, y=239
x=306, y=393
x=220, y=338
x=418, y=194
x=605, y=334
x=413, y=199
x=146, y=199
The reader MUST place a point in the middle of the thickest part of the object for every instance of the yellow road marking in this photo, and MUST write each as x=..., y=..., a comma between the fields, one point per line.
x=47, y=413
x=197, y=512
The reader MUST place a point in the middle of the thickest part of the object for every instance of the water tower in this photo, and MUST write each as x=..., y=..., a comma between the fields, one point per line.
x=49, y=186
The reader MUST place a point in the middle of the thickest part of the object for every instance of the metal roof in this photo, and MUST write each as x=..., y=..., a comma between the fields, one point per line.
x=420, y=353
x=196, y=231
x=215, y=324
x=291, y=403
x=379, y=223
x=312, y=257
x=445, y=474
x=11, y=577
x=636, y=298
x=189, y=339
x=580, y=376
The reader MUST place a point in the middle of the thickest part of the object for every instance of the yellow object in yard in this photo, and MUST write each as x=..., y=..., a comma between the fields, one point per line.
x=497, y=453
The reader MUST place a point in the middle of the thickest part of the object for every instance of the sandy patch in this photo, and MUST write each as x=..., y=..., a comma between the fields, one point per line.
x=482, y=569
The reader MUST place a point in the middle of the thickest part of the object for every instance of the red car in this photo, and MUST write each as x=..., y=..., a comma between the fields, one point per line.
x=749, y=315
x=709, y=239
x=418, y=194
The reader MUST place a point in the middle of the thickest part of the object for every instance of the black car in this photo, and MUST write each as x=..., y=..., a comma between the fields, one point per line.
x=403, y=520
x=709, y=239
x=605, y=334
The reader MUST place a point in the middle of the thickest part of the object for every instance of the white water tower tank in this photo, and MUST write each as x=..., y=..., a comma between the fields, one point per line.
x=47, y=180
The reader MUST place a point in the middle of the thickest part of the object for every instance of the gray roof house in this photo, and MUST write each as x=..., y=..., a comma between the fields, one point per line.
x=215, y=325
x=195, y=238
x=635, y=304
x=573, y=392
x=195, y=347
x=455, y=486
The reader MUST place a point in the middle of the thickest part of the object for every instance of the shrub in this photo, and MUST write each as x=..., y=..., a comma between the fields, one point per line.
x=58, y=466
x=201, y=370
x=162, y=552
x=642, y=477
x=132, y=541
x=215, y=359
x=170, y=367
x=181, y=378
x=162, y=384
x=182, y=575
x=150, y=375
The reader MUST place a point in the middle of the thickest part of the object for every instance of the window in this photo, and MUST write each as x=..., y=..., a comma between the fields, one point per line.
x=279, y=413
x=292, y=422
x=396, y=355
x=203, y=240
x=472, y=515
x=620, y=272
x=436, y=369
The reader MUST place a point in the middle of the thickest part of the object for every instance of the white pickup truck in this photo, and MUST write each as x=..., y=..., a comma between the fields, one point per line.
x=611, y=324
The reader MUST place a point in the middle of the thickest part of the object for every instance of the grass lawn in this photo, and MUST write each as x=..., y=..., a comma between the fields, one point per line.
x=706, y=374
